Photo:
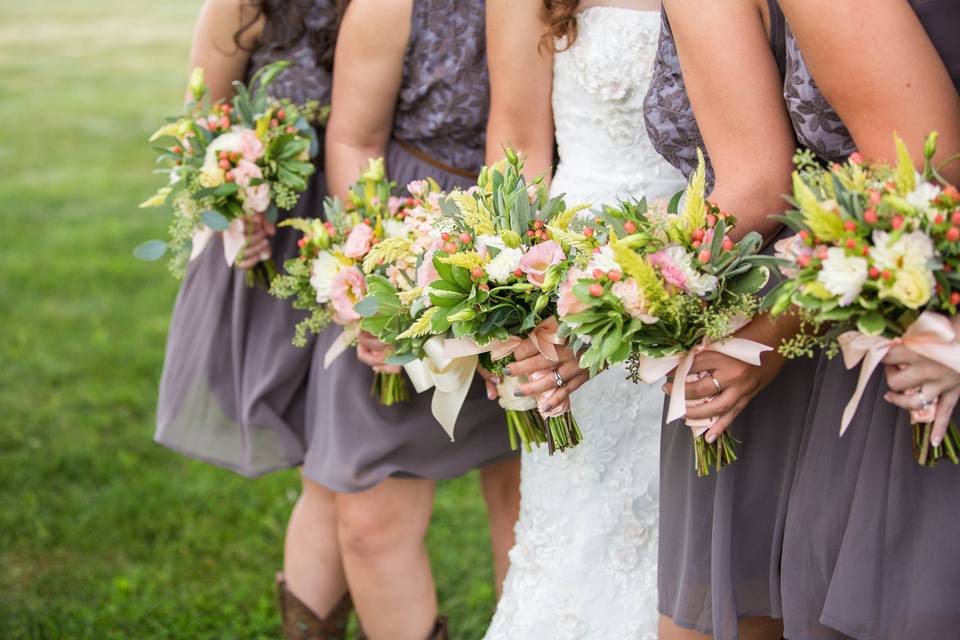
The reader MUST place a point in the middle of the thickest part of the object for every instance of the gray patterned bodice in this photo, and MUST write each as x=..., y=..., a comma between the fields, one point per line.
x=672, y=125
x=445, y=94
x=306, y=79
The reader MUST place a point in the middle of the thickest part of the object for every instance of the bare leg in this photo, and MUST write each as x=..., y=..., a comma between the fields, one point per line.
x=501, y=490
x=382, y=539
x=311, y=552
x=750, y=629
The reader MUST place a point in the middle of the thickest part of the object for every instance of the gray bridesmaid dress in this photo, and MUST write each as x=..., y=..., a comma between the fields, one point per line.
x=721, y=536
x=870, y=547
x=438, y=131
x=233, y=388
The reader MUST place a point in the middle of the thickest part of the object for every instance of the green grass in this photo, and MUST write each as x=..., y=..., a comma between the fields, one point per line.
x=102, y=533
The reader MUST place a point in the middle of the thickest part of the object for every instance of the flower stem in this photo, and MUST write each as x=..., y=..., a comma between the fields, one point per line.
x=390, y=388
x=928, y=455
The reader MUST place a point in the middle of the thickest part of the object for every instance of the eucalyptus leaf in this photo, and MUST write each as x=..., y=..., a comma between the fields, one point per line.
x=150, y=251
x=215, y=220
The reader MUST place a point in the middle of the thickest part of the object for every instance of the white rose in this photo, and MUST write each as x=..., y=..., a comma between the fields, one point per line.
x=394, y=228
x=507, y=261
x=604, y=261
x=843, y=275
x=912, y=250
x=322, y=272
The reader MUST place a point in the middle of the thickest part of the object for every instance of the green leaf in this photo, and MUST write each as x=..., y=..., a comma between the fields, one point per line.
x=215, y=220
x=368, y=307
x=872, y=324
x=750, y=282
x=674, y=205
x=226, y=189
x=400, y=360
x=150, y=251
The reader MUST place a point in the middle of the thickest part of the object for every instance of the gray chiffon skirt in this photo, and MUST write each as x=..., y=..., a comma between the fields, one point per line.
x=356, y=442
x=233, y=388
x=872, y=546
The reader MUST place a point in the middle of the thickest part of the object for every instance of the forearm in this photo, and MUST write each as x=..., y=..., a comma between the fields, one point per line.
x=753, y=200
x=345, y=161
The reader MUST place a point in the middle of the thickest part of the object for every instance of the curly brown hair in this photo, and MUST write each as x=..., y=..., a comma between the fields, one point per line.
x=286, y=23
x=561, y=19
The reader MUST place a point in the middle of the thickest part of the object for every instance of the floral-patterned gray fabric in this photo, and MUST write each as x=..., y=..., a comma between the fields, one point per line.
x=445, y=95
x=306, y=79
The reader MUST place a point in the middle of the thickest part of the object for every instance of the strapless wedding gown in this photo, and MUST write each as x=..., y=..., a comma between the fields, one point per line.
x=585, y=562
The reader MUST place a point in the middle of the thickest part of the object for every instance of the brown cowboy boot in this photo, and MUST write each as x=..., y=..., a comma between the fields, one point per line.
x=301, y=623
x=440, y=631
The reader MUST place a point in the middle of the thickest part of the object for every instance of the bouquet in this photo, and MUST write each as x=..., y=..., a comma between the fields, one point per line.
x=655, y=286
x=365, y=238
x=487, y=283
x=228, y=162
x=874, y=263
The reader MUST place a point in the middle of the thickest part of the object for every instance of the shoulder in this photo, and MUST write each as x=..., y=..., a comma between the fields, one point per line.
x=228, y=18
x=379, y=17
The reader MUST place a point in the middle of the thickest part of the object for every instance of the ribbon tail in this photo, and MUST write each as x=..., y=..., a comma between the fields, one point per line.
x=341, y=344
x=453, y=385
x=678, y=399
x=199, y=242
x=419, y=375
x=870, y=363
x=233, y=240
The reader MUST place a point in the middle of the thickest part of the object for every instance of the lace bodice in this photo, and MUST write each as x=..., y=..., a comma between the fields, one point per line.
x=599, y=85
x=585, y=563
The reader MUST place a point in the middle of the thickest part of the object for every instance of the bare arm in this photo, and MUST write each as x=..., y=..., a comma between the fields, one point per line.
x=368, y=70
x=735, y=88
x=521, y=81
x=214, y=48
x=874, y=63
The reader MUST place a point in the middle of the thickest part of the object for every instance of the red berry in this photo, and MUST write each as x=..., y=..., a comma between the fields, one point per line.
x=224, y=164
x=598, y=274
x=850, y=225
x=477, y=273
x=955, y=298
x=301, y=242
x=938, y=219
x=290, y=129
x=953, y=234
x=874, y=273
x=697, y=234
x=465, y=238
x=223, y=155
x=531, y=233
x=274, y=123
x=870, y=216
x=803, y=260
x=955, y=218
x=281, y=114
x=951, y=192
x=874, y=198
x=864, y=250
x=705, y=256
x=596, y=290
x=886, y=275
x=897, y=222
x=851, y=243
x=444, y=236
x=629, y=227
x=224, y=122
x=615, y=276
x=518, y=273
x=804, y=234
x=485, y=286
x=177, y=149
x=822, y=253
x=727, y=244
x=537, y=224
x=588, y=232
x=696, y=244
x=228, y=176
x=711, y=220
x=856, y=158
x=450, y=248
x=835, y=167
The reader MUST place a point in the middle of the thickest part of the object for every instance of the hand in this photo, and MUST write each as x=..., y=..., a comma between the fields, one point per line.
x=256, y=248
x=373, y=353
x=916, y=381
x=491, y=381
x=739, y=381
x=540, y=369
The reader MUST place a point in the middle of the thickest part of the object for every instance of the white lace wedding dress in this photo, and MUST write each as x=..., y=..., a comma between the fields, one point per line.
x=585, y=562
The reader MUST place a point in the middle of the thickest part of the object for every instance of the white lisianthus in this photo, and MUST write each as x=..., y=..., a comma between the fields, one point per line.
x=507, y=261
x=393, y=228
x=605, y=261
x=923, y=195
x=843, y=275
x=912, y=250
x=322, y=272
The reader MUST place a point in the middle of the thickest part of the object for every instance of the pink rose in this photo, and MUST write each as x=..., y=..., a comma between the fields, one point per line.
x=633, y=301
x=358, y=242
x=251, y=147
x=540, y=258
x=567, y=303
x=347, y=289
x=256, y=199
x=244, y=172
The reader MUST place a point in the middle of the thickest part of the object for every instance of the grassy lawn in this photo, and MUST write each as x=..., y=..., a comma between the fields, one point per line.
x=102, y=533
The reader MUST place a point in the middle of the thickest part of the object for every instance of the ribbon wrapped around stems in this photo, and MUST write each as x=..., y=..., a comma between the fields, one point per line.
x=343, y=342
x=652, y=369
x=233, y=240
x=931, y=336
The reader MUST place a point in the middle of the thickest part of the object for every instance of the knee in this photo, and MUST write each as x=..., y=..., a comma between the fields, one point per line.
x=371, y=533
x=501, y=485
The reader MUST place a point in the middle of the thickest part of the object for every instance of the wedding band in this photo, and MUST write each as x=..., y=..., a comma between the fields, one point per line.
x=715, y=383
x=558, y=378
x=924, y=402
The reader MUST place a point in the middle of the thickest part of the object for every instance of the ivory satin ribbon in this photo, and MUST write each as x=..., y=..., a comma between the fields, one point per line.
x=233, y=241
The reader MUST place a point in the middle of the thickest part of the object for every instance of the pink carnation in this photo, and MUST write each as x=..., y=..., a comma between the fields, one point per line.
x=358, y=242
x=418, y=187
x=539, y=259
x=347, y=289
x=671, y=271
x=256, y=199
x=567, y=303
x=628, y=292
x=244, y=172
x=251, y=147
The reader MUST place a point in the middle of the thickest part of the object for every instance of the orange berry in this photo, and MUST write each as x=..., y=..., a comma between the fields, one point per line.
x=629, y=227
x=615, y=276
x=705, y=256
x=596, y=290
x=953, y=234
x=588, y=232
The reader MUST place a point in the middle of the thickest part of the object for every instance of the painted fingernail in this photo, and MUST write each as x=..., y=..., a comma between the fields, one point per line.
x=664, y=388
x=265, y=255
x=491, y=395
x=936, y=440
x=711, y=438
x=506, y=370
x=496, y=380
x=518, y=393
x=886, y=397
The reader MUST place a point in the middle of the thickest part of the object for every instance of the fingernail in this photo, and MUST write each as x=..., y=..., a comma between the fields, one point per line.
x=506, y=371
x=886, y=397
x=664, y=388
x=711, y=438
x=518, y=393
x=265, y=255
x=496, y=380
x=936, y=440
x=491, y=395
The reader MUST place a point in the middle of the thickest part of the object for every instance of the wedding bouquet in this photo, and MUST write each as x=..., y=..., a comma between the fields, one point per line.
x=227, y=162
x=874, y=263
x=367, y=237
x=655, y=286
x=487, y=283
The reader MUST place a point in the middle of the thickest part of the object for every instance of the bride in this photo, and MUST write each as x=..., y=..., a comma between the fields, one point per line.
x=585, y=561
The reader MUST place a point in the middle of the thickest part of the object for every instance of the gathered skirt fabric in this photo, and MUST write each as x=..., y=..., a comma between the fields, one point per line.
x=356, y=443
x=233, y=388
x=870, y=549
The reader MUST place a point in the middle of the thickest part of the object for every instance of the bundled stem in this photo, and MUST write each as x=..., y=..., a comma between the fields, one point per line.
x=928, y=455
x=562, y=433
x=390, y=388
x=717, y=455
x=527, y=427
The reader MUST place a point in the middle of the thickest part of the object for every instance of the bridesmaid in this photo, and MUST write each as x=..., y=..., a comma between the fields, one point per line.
x=411, y=85
x=233, y=390
x=870, y=545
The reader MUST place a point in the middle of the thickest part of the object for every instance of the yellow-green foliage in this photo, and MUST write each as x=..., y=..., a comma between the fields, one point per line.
x=421, y=327
x=906, y=176
x=474, y=214
x=694, y=214
x=576, y=240
x=824, y=223
x=469, y=260
x=640, y=270
x=390, y=250
x=563, y=220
